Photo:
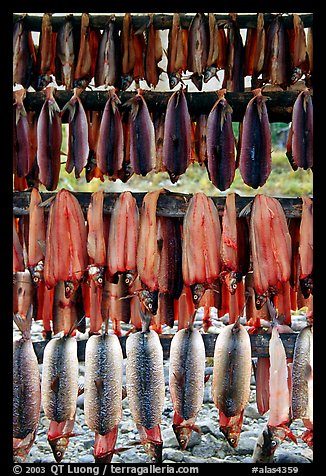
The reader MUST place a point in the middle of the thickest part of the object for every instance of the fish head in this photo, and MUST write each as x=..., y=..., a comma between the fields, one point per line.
x=232, y=435
x=306, y=286
x=42, y=81
x=183, y=434
x=130, y=277
x=126, y=81
x=265, y=446
x=232, y=280
x=70, y=288
x=296, y=75
x=260, y=300
x=96, y=273
x=209, y=73
x=150, y=300
x=154, y=451
x=197, y=290
x=37, y=273
x=58, y=447
x=174, y=79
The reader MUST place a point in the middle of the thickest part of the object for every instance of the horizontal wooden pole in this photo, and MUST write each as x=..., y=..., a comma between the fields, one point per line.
x=259, y=345
x=160, y=21
x=169, y=204
x=279, y=104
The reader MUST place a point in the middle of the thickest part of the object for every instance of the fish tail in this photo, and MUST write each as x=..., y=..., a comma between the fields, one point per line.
x=24, y=324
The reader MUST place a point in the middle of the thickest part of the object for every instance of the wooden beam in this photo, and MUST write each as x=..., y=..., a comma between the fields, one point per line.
x=279, y=104
x=160, y=21
x=169, y=204
x=259, y=345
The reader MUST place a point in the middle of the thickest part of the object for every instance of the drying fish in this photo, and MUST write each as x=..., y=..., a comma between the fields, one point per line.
x=198, y=45
x=231, y=378
x=139, y=46
x=26, y=390
x=23, y=293
x=78, y=147
x=24, y=57
x=103, y=392
x=217, y=49
x=60, y=390
x=65, y=54
x=46, y=53
x=96, y=247
x=270, y=246
x=142, y=137
x=267, y=443
x=37, y=234
x=177, y=53
x=66, y=242
x=276, y=69
x=158, y=121
x=127, y=52
x=145, y=387
x=220, y=144
x=148, y=251
x=288, y=151
x=177, y=136
x=67, y=310
x=298, y=49
x=88, y=48
x=18, y=255
x=110, y=144
x=302, y=382
x=49, y=137
x=23, y=156
x=255, y=49
x=255, y=160
x=234, y=75
x=108, y=64
x=200, y=139
x=186, y=381
x=153, y=54
x=201, y=257
x=310, y=59
x=118, y=305
x=91, y=169
x=123, y=238
x=301, y=148
x=306, y=247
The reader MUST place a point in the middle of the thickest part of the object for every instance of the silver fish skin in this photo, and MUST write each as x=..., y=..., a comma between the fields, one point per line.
x=302, y=376
x=266, y=444
x=145, y=378
x=103, y=383
x=186, y=374
x=60, y=379
x=26, y=390
x=108, y=65
x=232, y=370
x=65, y=54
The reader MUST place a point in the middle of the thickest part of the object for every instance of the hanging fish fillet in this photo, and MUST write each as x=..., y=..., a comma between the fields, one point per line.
x=198, y=45
x=270, y=245
x=24, y=57
x=123, y=238
x=177, y=136
x=306, y=247
x=66, y=310
x=110, y=144
x=88, y=48
x=302, y=130
x=255, y=161
x=18, y=255
x=49, y=137
x=186, y=381
x=234, y=75
x=96, y=247
x=220, y=144
x=302, y=382
x=23, y=293
x=66, y=241
x=231, y=375
x=66, y=55
x=108, y=63
x=217, y=49
x=78, y=146
x=177, y=53
x=127, y=52
x=59, y=391
x=91, y=169
x=310, y=59
x=37, y=233
x=153, y=54
x=26, y=390
x=146, y=388
x=255, y=49
x=119, y=299
x=46, y=53
x=201, y=257
x=298, y=49
x=142, y=136
x=276, y=69
x=200, y=139
x=103, y=392
x=23, y=156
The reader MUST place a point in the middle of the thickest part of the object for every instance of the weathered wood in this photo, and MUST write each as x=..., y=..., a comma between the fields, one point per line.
x=169, y=204
x=279, y=104
x=259, y=345
x=160, y=21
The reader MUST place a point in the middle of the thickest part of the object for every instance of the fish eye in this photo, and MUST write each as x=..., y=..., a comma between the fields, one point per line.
x=35, y=279
x=127, y=280
x=232, y=441
x=196, y=297
x=273, y=443
x=234, y=286
x=150, y=306
x=100, y=280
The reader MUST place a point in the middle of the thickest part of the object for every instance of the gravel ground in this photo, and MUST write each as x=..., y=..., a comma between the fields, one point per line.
x=209, y=446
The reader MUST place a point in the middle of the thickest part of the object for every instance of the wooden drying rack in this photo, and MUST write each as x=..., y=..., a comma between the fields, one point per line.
x=279, y=106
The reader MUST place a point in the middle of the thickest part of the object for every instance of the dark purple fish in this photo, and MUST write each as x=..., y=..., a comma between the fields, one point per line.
x=22, y=151
x=177, y=136
x=220, y=144
x=255, y=161
x=24, y=57
x=302, y=130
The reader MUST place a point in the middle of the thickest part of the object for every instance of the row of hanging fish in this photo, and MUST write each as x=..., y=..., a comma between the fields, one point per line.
x=116, y=56
x=128, y=140
x=284, y=385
